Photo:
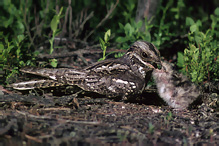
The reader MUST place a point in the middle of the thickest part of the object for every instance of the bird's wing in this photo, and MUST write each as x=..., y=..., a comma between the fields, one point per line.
x=54, y=73
x=109, y=66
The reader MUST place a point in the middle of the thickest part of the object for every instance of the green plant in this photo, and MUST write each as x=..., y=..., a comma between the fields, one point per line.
x=12, y=56
x=14, y=46
x=12, y=18
x=168, y=118
x=166, y=28
x=157, y=32
x=163, y=28
x=129, y=8
x=105, y=43
x=122, y=135
x=132, y=33
x=201, y=59
x=151, y=128
x=54, y=27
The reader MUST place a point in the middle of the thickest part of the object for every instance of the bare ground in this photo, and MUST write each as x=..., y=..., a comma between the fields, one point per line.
x=67, y=120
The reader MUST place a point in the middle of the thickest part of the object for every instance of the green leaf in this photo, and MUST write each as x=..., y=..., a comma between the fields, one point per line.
x=21, y=63
x=198, y=39
x=193, y=28
x=53, y=62
x=107, y=35
x=150, y=128
x=101, y=59
x=121, y=39
x=216, y=11
x=119, y=55
x=180, y=59
x=102, y=44
x=214, y=21
x=54, y=23
x=128, y=29
x=189, y=21
x=1, y=47
x=192, y=47
x=60, y=12
x=199, y=23
x=121, y=26
x=20, y=38
x=139, y=24
x=20, y=27
x=174, y=9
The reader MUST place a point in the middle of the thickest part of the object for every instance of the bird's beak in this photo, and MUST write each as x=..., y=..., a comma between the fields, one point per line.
x=157, y=65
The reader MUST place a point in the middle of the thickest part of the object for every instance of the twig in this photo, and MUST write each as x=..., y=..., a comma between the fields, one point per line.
x=27, y=26
x=6, y=128
x=33, y=138
x=103, y=20
x=64, y=30
x=74, y=53
x=57, y=109
x=82, y=24
x=177, y=40
x=37, y=27
x=70, y=19
x=80, y=55
x=59, y=119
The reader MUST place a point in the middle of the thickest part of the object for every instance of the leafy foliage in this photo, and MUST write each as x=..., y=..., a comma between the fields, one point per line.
x=132, y=33
x=158, y=31
x=201, y=59
x=12, y=53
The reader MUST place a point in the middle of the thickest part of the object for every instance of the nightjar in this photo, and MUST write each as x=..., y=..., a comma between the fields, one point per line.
x=174, y=88
x=122, y=77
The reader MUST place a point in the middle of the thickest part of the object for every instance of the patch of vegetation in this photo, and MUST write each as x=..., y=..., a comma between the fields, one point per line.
x=13, y=56
x=201, y=59
x=157, y=30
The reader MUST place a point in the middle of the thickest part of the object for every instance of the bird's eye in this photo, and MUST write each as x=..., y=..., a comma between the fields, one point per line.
x=144, y=55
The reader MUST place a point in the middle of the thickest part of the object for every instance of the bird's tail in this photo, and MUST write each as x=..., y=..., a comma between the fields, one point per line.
x=35, y=84
x=56, y=77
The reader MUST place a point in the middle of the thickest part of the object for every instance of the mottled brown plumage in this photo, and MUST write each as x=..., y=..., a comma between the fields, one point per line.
x=121, y=77
x=176, y=89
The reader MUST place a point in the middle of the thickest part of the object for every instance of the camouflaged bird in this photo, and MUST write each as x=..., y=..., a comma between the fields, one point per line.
x=175, y=88
x=122, y=77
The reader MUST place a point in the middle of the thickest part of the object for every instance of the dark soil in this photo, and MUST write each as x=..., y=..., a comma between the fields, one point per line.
x=67, y=120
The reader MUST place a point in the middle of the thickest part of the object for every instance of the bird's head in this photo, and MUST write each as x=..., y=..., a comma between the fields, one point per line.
x=146, y=54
